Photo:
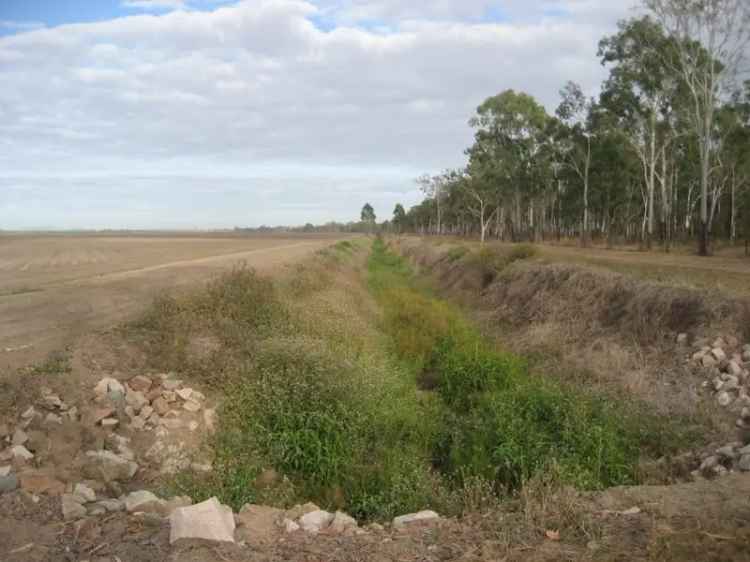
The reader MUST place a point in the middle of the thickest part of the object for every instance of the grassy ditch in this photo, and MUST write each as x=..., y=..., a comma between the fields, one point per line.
x=498, y=423
x=347, y=383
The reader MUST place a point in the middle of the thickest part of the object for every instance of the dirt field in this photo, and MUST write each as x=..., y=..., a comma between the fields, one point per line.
x=55, y=288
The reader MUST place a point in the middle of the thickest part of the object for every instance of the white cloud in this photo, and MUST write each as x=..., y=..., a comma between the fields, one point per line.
x=257, y=86
x=21, y=25
x=153, y=4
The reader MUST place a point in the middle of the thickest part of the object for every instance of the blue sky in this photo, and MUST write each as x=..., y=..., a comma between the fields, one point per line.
x=209, y=114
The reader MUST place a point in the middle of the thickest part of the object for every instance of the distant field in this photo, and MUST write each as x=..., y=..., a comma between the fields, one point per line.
x=56, y=286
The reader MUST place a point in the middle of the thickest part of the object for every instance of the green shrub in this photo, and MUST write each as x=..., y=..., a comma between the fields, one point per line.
x=456, y=253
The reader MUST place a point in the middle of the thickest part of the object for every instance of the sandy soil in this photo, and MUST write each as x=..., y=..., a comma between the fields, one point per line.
x=53, y=289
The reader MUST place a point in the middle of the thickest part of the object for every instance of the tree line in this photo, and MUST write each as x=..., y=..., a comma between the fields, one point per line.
x=661, y=155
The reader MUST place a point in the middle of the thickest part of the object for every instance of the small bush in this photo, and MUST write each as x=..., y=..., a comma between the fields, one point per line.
x=456, y=253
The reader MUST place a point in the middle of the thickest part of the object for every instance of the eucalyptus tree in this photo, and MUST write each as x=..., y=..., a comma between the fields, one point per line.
x=712, y=37
x=509, y=134
x=574, y=141
x=399, y=218
x=642, y=93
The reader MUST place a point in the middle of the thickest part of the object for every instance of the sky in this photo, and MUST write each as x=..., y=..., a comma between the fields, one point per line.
x=202, y=114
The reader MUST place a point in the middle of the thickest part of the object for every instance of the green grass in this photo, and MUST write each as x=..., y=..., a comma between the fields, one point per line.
x=499, y=422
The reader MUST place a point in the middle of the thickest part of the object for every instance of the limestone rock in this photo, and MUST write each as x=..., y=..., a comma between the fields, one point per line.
x=84, y=492
x=342, y=523
x=109, y=388
x=140, y=383
x=108, y=467
x=145, y=502
x=72, y=508
x=160, y=406
x=290, y=526
x=20, y=452
x=110, y=423
x=19, y=437
x=426, y=515
x=315, y=521
x=719, y=354
x=208, y=521
x=744, y=464
x=724, y=398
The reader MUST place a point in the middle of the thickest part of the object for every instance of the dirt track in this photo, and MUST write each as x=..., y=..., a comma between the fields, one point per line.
x=55, y=288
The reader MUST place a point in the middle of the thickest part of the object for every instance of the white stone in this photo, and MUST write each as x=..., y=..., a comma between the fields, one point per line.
x=723, y=398
x=72, y=507
x=4, y=470
x=109, y=467
x=84, y=492
x=708, y=361
x=145, y=502
x=208, y=521
x=19, y=437
x=53, y=419
x=209, y=418
x=682, y=339
x=136, y=400
x=193, y=425
x=111, y=505
x=290, y=526
x=199, y=396
x=110, y=422
x=21, y=452
x=171, y=384
x=734, y=369
x=426, y=515
x=718, y=354
x=191, y=406
x=315, y=521
x=342, y=523
x=109, y=388
x=29, y=413
x=184, y=393
x=744, y=464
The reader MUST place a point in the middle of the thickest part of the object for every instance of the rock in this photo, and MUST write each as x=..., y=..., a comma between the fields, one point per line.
x=108, y=467
x=208, y=521
x=698, y=356
x=19, y=437
x=136, y=400
x=40, y=483
x=726, y=452
x=744, y=464
x=197, y=396
x=21, y=453
x=72, y=508
x=201, y=467
x=731, y=383
x=682, y=339
x=193, y=425
x=342, y=523
x=160, y=406
x=719, y=343
x=53, y=402
x=708, y=361
x=717, y=383
x=145, y=502
x=191, y=406
x=109, y=388
x=299, y=510
x=146, y=412
x=746, y=356
x=184, y=393
x=209, y=418
x=719, y=354
x=99, y=414
x=745, y=413
x=708, y=464
x=111, y=505
x=140, y=383
x=259, y=523
x=110, y=423
x=5, y=470
x=744, y=450
x=375, y=527
x=733, y=368
x=8, y=483
x=171, y=423
x=290, y=526
x=414, y=517
x=315, y=521
x=85, y=493
x=169, y=396
x=53, y=419
x=724, y=398
x=266, y=479
x=29, y=413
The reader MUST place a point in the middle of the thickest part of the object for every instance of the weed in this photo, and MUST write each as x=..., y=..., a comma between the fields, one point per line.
x=56, y=363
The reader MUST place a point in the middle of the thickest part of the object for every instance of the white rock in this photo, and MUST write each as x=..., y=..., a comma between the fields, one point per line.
x=718, y=354
x=193, y=425
x=199, y=396
x=342, y=523
x=111, y=505
x=682, y=339
x=145, y=502
x=413, y=517
x=723, y=398
x=19, y=437
x=733, y=368
x=21, y=452
x=708, y=361
x=290, y=526
x=184, y=393
x=109, y=388
x=208, y=521
x=209, y=418
x=110, y=422
x=4, y=470
x=136, y=400
x=109, y=467
x=191, y=406
x=53, y=419
x=84, y=492
x=171, y=384
x=29, y=413
x=315, y=521
x=72, y=507
x=744, y=464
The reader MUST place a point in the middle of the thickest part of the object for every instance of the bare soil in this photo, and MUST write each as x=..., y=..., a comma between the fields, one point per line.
x=54, y=289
